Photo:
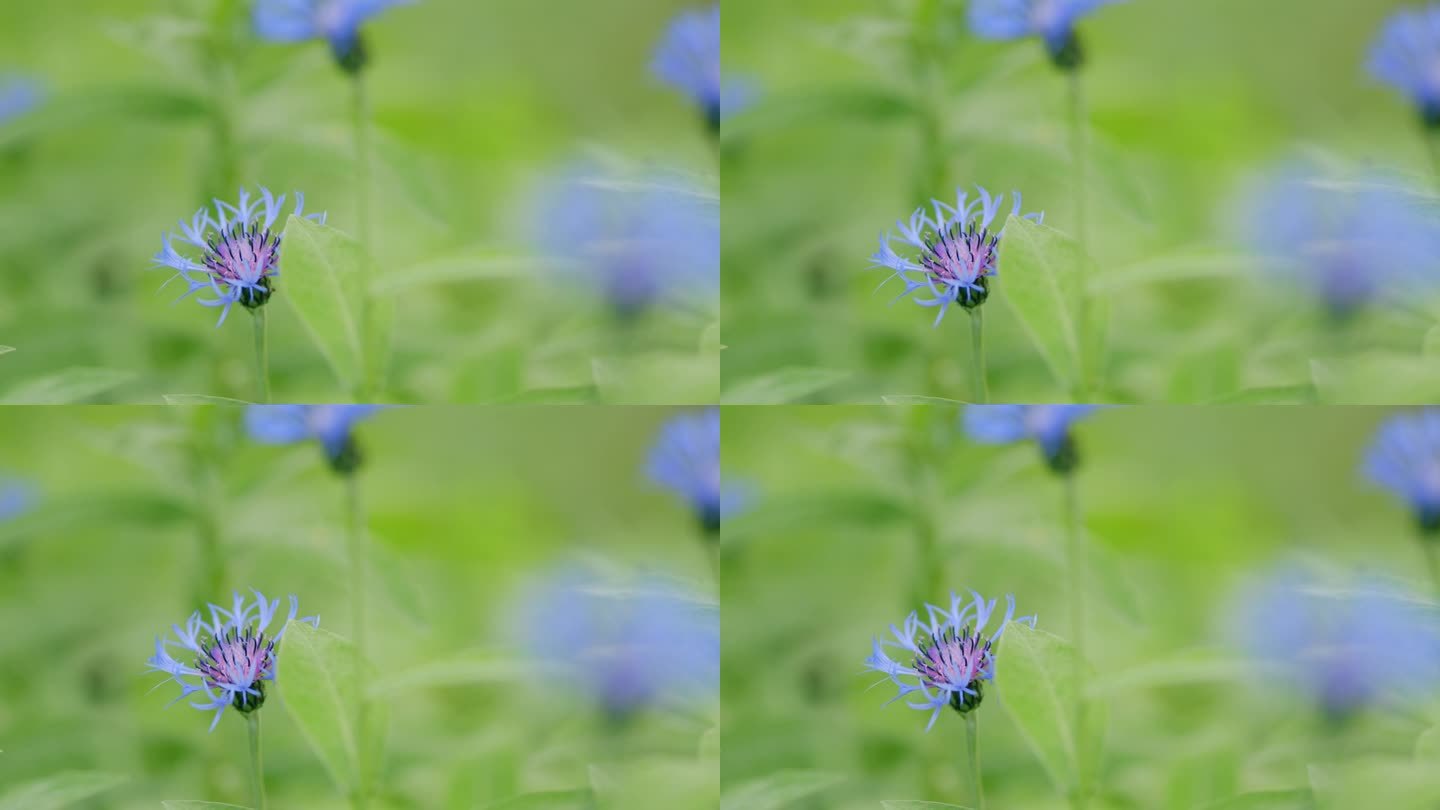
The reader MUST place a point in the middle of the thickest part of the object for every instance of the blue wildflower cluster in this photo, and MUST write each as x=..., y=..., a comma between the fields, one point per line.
x=948, y=657
x=1046, y=425
x=18, y=95
x=686, y=460
x=626, y=644
x=1407, y=57
x=950, y=251
x=1053, y=21
x=232, y=253
x=688, y=59
x=329, y=425
x=1405, y=459
x=229, y=658
x=337, y=22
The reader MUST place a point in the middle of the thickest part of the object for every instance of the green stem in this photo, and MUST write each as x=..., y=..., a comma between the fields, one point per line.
x=1075, y=565
x=1077, y=160
x=363, y=182
x=972, y=740
x=355, y=551
x=1431, y=135
x=262, y=352
x=979, y=386
x=1432, y=558
x=257, y=773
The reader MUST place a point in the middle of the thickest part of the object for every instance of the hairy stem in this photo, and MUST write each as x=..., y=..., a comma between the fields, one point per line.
x=979, y=385
x=972, y=740
x=257, y=771
x=1075, y=565
x=355, y=551
x=262, y=352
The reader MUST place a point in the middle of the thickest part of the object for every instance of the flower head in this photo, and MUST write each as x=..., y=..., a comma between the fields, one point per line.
x=1346, y=647
x=330, y=425
x=624, y=644
x=952, y=253
x=947, y=657
x=1407, y=57
x=1350, y=241
x=688, y=59
x=16, y=498
x=1047, y=425
x=1051, y=20
x=1405, y=459
x=335, y=21
x=636, y=241
x=18, y=95
x=229, y=658
x=234, y=255
x=686, y=460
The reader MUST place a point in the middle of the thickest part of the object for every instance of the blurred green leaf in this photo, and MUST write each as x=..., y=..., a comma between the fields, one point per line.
x=474, y=668
x=67, y=387
x=1300, y=394
x=1294, y=799
x=1375, y=378
x=780, y=790
x=318, y=685
x=193, y=804
x=781, y=387
x=471, y=266
x=671, y=377
x=6, y=349
x=583, y=799
x=1042, y=285
x=913, y=399
x=1186, y=669
x=1376, y=781
x=201, y=399
x=324, y=276
x=916, y=804
x=101, y=105
x=59, y=791
x=860, y=103
x=1035, y=673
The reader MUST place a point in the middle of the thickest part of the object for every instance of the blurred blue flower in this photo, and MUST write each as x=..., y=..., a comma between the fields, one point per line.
x=235, y=255
x=1047, y=425
x=335, y=21
x=1346, y=647
x=947, y=658
x=637, y=241
x=1051, y=20
x=1407, y=57
x=18, y=95
x=228, y=658
x=16, y=498
x=688, y=59
x=330, y=425
x=624, y=644
x=686, y=460
x=1405, y=459
x=954, y=252
x=1348, y=240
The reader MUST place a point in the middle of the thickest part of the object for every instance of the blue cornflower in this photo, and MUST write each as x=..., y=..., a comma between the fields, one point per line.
x=335, y=21
x=949, y=657
x=330, y=425
x=637, y=241
x=1349, y=241
x=18, y=95
x=688, y=59
x=230, y=658
x=1407, y=57
x=1405, y=459
x=1346, y=647
x=235, y=255
x=16, y=498
x=1051, y=20
x=686, y=460
x=624, y=644
x=955, y=253
x=1047, y=425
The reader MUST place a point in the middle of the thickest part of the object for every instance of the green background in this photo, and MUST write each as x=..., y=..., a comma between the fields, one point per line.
x=465, y=508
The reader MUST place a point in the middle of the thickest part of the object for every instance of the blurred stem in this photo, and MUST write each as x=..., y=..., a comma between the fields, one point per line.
x=1075, y=565
x=257, y=774
x=355, y=551
x=363, y=149
x=980, y=386
x=930, y=173
x=1432, y=557
x=262, y=353
x=972, y=740
x=1077, y=160
x=1432, y=142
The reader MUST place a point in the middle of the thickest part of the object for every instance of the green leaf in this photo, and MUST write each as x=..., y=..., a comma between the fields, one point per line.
x=324, y=277
x=201, y=399
x=59, y=791
x=861, y=103
x=470, y=267
x=318, y=683
x=582, y=799
x=6, y=349
x=1296, y=799
x=1300, y=394
x=1035, y=673
x=1040, y=281
x=916, y=804
x=914, y=399
x=66, y=387
x=1375, y=378
x=193, y=804
x=779, y=790
x=669, y=377
x=465, y=669
x=784, y=386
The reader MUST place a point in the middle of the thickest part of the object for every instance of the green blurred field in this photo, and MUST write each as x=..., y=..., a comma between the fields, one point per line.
x=473, y=102
x=1181, y=505
x=1186, y=100
x=465, y=507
